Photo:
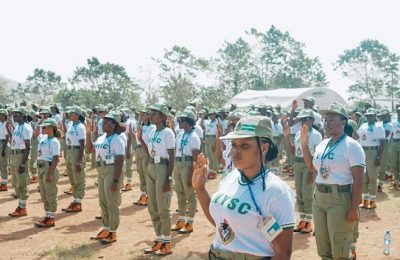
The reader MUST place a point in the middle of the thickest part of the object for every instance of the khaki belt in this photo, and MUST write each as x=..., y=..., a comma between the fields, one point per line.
x=3, y=141
x=43, y=164
x=323, y=188
x=210, y=135
x=184, y=159
x=103, y=163
x=18, y=151
x=73, y=147
x=370, y=148
x=215, y=254
x=298, y=159
x=396, y=140
x=162, y=161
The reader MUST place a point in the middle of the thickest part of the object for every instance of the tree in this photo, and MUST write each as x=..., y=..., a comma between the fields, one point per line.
x=5, y=95
x=212, y=97
x=40, y=87
x=178, y=71
x=369, y=66
x=105, y=83
x=233, y=66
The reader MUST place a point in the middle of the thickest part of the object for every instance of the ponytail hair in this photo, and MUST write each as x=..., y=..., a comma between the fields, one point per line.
x=81, y=119
x=272, y=152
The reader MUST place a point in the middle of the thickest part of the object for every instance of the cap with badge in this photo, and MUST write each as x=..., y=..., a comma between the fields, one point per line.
x=75, y=110
x=3, y=111
x=370, y=112
x=251, y=126
x=309, y=99
x=44, y=110
x=306, y=113
x=160, y=107
x=102, y=108
x=49, y=122
x=384, y=111
x=336, y=109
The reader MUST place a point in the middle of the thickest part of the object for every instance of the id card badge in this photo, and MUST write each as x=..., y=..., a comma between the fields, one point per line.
x=270, y=228
x=157, y=159
x=22, y=146
x=109, y=159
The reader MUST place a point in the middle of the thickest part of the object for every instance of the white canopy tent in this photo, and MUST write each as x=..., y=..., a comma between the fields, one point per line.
x=324, y=97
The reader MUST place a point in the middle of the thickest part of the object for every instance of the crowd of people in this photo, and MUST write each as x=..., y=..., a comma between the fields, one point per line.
x=339, y=159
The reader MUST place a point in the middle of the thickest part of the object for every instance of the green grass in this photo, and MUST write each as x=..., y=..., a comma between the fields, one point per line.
x=82, y=251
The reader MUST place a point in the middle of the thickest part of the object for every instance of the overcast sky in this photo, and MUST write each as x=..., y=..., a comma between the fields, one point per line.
x=59, y=35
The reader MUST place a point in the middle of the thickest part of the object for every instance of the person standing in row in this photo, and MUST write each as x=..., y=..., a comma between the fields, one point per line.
x=187, y=149
x=210, y=129
x=395, y=151
x=160, y=146
x=19, y=158
x=304, y=179
x=110, y=152
x=129, y=127
x=372, y=138
x=338, y=163
x=252, y=210
x=4, y=149
x=277, y=132
x=75, y=138
x=48, y=153
x=142, y=157
x=34, y=148
x=388, y=126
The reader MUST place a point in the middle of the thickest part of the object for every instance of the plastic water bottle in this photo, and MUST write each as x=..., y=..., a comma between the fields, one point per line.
x=386, y=243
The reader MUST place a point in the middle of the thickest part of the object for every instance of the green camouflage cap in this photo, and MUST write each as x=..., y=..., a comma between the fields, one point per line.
x=54, y=105
x=309, y=99
x=102, y=108
x=44, y=110
x=370, y=112
x=335, y=109
x=110, y=106
x=384, y=111
x=212, y=111
x=191, y=108
x=3, y=111
x=160, y=107
x=115, y=115
x=306, y=113
x=188, y=114
x=31, y=112
x=49, y=122
x=76, y=110
x=144, y=110
x=21, y=110
x=237, y=114
x=251, y=126
x=254, y=113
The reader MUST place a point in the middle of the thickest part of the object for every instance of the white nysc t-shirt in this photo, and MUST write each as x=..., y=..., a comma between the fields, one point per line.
x=236, y=217
x=347, y=154
x=75, y=133
x=107, y=148
x=186, y=143
x=159, y=142
x=370, y=135
x=22, y=133
x=48, y=148
x=314, y=139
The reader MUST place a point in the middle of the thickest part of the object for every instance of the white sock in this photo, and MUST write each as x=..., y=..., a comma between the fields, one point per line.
x=76, y=200
x=167, y=239
x=160, y=238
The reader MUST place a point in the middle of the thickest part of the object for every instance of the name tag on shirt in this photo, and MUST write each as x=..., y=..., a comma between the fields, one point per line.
x=109, y=159
x=22, y=146
x=157, y=159
x=270, y=228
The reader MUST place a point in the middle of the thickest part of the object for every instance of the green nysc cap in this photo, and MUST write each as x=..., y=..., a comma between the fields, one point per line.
x=3, y=111
x=370, y=112
x=306, y=113
x=336, y=109
x=21, y=110
x=251, y=126
x=160, y=107
x=352, y=124
x=187, y=114
x=384, y=111
x=102, y=108
x=309, y=99
x=49, y=122
x=114, y=115
x=44, y=110
x=75, y=109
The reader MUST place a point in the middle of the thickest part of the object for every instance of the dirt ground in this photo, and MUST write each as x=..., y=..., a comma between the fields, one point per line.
x=19, y=239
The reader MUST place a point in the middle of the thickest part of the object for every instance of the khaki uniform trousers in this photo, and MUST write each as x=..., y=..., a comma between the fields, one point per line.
x=370, y=178
x=33, y=156
x=289, y=155
x=395, y=159
x=333, y=233
x=20, y=181
x=385, y=160
x=217, y=254
x=186, y=195
x=304, y=190
x=77, y=179
x=142, y=160
x=4, y=162
x=109, y=200
x=48, y=190
x=209, y=144
x=159, y=201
